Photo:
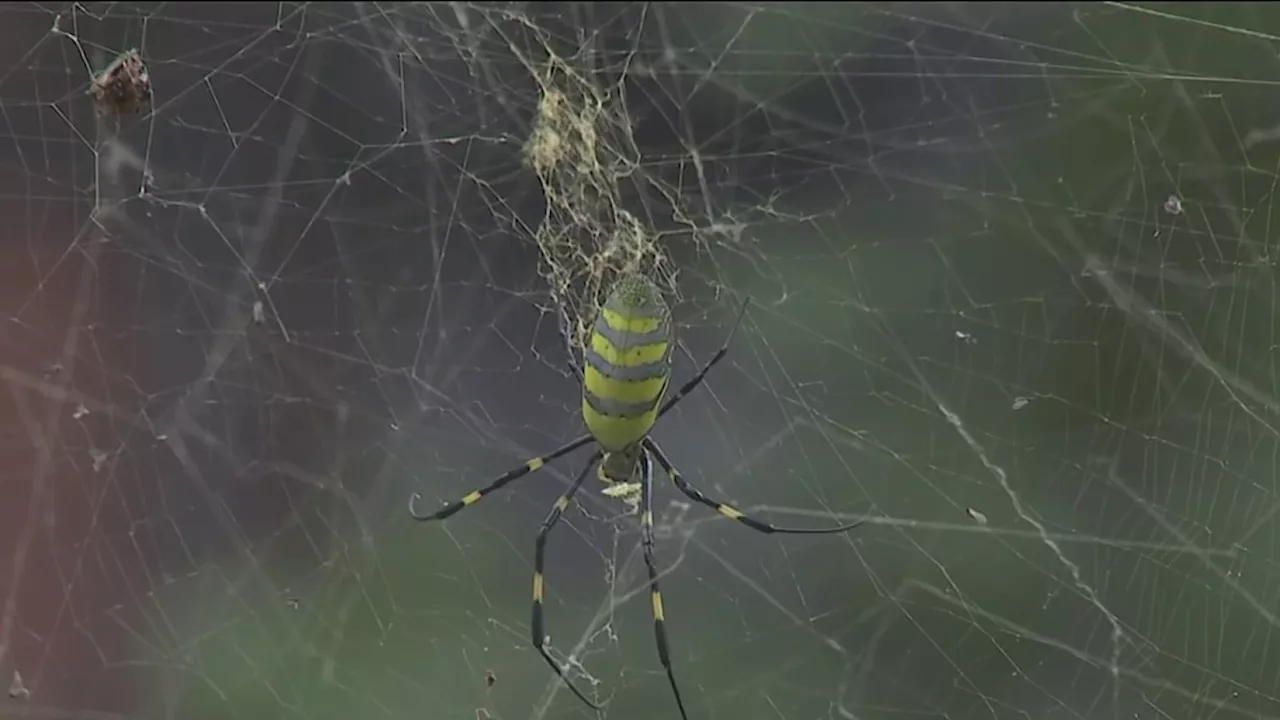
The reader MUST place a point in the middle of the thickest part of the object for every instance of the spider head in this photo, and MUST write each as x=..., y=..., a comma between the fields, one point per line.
x=620, y=466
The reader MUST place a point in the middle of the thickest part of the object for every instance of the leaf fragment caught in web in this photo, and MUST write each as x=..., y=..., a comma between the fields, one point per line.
x=124, y=87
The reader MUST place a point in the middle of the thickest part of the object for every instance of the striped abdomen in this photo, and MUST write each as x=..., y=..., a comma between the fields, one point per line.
x=627, y=364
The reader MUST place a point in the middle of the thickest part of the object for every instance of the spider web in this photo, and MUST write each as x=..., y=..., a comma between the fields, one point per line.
x=1013, y=302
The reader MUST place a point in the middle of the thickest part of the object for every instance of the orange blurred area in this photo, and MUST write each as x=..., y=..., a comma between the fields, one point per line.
x=58, y=516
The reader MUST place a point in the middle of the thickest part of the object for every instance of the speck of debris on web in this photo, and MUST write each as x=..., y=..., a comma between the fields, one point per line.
x=124, y=87
x=17, y=689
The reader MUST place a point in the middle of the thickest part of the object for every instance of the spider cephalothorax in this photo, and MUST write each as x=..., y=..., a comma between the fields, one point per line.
x=621, y=473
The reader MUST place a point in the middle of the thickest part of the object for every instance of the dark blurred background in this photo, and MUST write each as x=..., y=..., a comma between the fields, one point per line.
x=1014, y=301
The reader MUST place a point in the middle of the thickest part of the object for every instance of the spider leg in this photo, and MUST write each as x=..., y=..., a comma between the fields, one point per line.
x=506, y=478
x=566, y=333
x=539, y=557
x=729, y=511
x=697, y=379
x=655, y=593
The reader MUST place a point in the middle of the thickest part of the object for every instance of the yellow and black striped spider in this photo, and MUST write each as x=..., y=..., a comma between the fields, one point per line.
x=625, y=375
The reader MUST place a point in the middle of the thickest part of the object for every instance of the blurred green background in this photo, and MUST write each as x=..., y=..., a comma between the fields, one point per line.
x=1013, y=301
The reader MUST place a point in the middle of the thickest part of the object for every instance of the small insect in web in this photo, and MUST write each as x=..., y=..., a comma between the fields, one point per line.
x=124, y=87
x=625, y=374
x=627, y=492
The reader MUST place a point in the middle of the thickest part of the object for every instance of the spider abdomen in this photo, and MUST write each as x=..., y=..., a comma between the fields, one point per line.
x=627, y=364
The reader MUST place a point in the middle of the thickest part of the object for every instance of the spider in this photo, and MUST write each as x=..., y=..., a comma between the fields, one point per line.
x=123, y=88
x=625, y=373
